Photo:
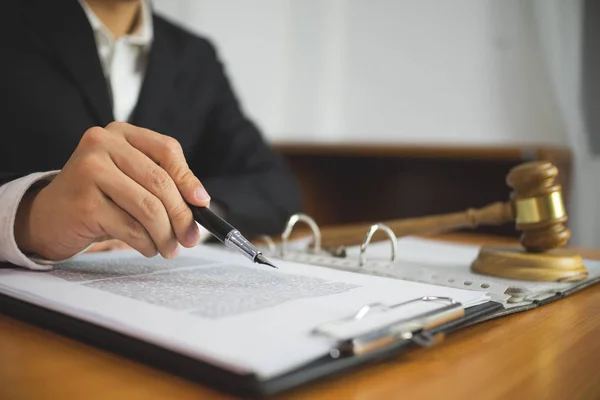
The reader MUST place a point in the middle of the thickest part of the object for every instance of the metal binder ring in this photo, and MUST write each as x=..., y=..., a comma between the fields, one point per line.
x=369, y=236
x=290, y=226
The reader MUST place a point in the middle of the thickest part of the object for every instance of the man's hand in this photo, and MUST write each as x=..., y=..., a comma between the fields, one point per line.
x=122, y=182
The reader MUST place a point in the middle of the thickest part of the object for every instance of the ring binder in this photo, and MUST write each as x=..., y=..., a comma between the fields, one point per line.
x=316, y=248
x=333, y=259
x=513, y=296
x=353, y=341
x=390, y=268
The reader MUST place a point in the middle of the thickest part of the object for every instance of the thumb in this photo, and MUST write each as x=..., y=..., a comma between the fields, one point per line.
x=192, y=189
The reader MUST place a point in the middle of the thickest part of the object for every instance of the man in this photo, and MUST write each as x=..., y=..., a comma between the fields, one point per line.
x=72, y=175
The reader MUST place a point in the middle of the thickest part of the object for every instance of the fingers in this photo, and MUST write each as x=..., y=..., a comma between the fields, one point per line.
x=151, y=181
x=166, y=152
x=157, y=181
x=122, y=226
x=146, y=210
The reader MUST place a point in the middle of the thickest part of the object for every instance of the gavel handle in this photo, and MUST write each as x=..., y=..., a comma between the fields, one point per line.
x=494, y=214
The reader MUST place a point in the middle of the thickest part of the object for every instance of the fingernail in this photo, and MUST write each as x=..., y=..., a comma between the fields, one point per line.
x=192, y=235
x=201, y=194
x=175, y=252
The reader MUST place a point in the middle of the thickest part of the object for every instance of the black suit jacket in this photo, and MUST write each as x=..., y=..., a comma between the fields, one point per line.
x=53, y=89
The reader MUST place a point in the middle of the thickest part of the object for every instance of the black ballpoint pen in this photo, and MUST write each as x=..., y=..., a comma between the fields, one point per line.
x=227, y=234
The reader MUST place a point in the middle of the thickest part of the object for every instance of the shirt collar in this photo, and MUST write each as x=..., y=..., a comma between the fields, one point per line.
x=142, y=36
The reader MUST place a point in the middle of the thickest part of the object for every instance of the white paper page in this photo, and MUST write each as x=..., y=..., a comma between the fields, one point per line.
x=215, y=305
x=453, y=259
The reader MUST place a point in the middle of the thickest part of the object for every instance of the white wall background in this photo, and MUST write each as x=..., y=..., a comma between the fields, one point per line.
x=401, y=71
x=489, y=72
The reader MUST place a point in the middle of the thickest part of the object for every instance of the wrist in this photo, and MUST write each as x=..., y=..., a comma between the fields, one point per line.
x=25, y=232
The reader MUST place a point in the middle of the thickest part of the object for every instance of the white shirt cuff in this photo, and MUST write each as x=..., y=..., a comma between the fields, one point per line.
x=11, y=194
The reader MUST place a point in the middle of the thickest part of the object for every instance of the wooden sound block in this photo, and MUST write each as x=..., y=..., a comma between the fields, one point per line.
x=558, y=265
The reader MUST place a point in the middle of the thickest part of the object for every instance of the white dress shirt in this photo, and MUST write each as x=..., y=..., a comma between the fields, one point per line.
x=123, y=61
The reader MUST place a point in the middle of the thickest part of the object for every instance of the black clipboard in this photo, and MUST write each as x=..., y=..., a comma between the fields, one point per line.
x=246, y=386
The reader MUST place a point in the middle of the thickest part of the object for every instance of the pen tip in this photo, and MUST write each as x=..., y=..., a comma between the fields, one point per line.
x=262, y=260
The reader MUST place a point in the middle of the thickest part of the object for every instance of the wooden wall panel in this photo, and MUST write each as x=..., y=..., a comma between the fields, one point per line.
x=354, y=184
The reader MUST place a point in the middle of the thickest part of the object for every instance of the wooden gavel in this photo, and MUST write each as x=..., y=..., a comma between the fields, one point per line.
x=535, y=206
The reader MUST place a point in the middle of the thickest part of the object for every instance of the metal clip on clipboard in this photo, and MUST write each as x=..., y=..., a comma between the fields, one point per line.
x=354, y=337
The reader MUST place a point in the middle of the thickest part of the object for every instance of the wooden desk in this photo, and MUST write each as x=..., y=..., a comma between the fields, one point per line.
x=549, y=353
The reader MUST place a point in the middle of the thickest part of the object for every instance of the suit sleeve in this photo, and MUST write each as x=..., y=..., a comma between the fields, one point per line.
x=247, y=178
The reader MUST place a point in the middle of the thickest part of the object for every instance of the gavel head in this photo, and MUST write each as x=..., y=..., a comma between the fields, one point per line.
x=538, y=206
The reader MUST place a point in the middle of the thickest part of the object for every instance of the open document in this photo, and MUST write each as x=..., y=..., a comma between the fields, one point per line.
x=214, y=305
